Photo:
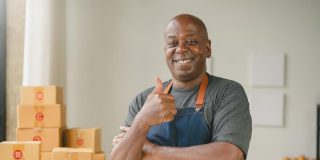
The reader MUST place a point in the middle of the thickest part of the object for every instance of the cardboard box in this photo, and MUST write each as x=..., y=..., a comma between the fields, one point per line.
x=84, y=138
x=41, y=95
x=99, y=156
x=13, y=150
x=50, y=137
x=72, y=154
x=42, y=116
x=46, y=156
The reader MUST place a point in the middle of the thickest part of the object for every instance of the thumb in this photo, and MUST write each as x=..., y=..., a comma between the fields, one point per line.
x=158, y=88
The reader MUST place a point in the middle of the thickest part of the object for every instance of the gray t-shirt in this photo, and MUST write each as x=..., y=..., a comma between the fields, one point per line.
x=226, y=109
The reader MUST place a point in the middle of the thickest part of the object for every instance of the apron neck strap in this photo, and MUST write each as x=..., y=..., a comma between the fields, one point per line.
x=167, y=90
x=201, y=92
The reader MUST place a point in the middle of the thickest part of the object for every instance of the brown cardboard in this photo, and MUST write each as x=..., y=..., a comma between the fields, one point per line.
x=72, y=154
x=84, y=138
x=13, y=150
x=39, y=95
x=46, y=156
x=42, y=116
x=99, y=156
x=50, y=137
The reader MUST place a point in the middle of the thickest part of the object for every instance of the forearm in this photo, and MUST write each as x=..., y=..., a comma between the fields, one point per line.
x=215, y=151
x=130, y=148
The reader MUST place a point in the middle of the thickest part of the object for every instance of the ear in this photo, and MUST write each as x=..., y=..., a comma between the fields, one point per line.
x=208, y=49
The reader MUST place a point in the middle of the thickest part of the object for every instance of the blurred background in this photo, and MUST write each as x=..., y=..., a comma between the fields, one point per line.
x=104, y=52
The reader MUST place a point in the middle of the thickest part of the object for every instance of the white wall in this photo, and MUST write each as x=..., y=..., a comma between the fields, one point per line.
x=115, y=49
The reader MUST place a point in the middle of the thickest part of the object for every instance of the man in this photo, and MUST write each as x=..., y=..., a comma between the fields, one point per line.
x=193, y=116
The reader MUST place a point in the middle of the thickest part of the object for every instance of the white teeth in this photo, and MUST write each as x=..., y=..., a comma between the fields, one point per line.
x=183, y=61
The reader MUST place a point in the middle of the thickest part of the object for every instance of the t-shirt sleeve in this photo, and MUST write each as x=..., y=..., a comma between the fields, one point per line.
x=232, y=120
x=132, y=111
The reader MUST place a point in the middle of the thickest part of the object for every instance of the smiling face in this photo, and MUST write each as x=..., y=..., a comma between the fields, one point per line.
x=186, y=46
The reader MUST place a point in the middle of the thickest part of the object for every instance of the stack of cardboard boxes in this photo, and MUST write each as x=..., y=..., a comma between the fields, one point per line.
x=42, y=118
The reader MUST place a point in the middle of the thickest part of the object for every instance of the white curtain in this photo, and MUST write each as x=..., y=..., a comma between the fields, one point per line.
x=44, y=49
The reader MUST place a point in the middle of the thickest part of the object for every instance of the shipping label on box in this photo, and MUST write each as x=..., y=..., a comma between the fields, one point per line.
x=50, y=137
x=13, y=150
x=99, y=156
x=72, y=154
x=84, y=138
x=46, y=156
x=41, y=95
x=41, y=116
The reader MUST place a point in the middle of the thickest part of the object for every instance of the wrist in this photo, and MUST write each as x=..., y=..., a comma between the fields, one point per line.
x=151, y=151
x=141, y=123
x=157, y=151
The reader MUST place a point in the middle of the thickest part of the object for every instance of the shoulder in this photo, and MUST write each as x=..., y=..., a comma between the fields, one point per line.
x=222, y=82
x=220, y=85
x=223, y=93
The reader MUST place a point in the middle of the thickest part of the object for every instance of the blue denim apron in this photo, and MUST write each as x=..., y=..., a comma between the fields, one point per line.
x=188, y=128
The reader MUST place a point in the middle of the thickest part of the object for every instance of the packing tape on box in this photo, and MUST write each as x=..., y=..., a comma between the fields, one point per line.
x=39, y=116
x=38, y=95
x=79, y=140
x=37, y=137
x=71, y=155
x=17, y=151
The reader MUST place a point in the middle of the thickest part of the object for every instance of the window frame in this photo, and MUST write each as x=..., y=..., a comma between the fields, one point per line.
x=2, y=70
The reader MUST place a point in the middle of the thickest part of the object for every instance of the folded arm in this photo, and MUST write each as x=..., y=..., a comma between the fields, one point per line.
x=212, y=151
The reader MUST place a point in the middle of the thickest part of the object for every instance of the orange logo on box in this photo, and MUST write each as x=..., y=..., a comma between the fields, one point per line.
x=39, y=95
x=39, y=116
x=17, y=154
x=36, y=138
x=79, y=141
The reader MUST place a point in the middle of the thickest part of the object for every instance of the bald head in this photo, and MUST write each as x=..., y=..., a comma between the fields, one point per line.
x=187, y=47
x=182, y=19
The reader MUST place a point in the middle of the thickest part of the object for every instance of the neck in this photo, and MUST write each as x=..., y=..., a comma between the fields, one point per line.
x=188, y=84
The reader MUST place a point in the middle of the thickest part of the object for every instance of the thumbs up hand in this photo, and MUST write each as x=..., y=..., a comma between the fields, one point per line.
x=158, y=87
x=158, y=107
